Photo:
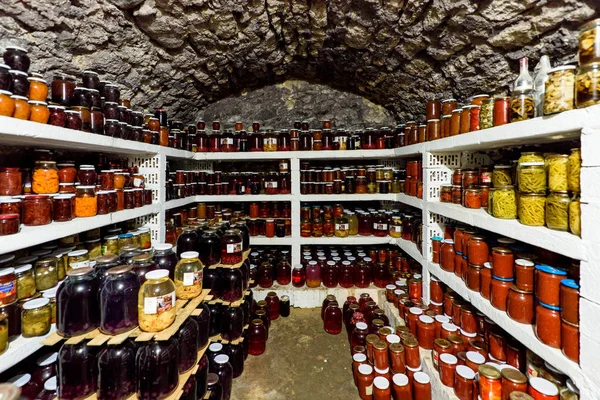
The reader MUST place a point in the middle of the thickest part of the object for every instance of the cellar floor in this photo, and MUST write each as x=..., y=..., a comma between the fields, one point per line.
x=301, y=362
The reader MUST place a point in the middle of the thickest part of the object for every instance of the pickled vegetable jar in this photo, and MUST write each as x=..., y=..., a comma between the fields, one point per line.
x=36, y=317
x=560, y=90
x=46, y=273
x=36, y=210
x=45, y=178
x=188, y=276
x=156, y=302
x=26, y=287
x=86, y=203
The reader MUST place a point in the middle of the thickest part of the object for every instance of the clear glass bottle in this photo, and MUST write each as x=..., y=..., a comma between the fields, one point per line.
x=524, y=81
x=156, y=302
x=188, y=276
x=539, y=84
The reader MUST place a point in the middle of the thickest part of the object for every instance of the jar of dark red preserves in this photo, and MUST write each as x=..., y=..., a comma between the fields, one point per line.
x=231, y=247
x=76, y=371
x=36, y=210
x=77, y=303
x=118, y=301
x=10, y=182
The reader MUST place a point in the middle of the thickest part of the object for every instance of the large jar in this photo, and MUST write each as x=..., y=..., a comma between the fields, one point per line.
x=187, y=339
x=118, y=301
x=165, y=258
x=188, y=276
x=77, y=303
x=157, y=369
x=560, y=90
x=557, y=210
x=588, y=85
x=232, y=323
x=210, y=248
x=116, y=371
x=231, y=284
x=187, y=241
x=142, y=264
x=225, y=372
x=231, y=247
x=76, y=371
x=589, y=42
x=532, y=177
x=156, y=302
x=45, y=178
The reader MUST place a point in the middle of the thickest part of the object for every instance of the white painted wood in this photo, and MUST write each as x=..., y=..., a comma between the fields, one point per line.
x=309, y=155
x=21, y=348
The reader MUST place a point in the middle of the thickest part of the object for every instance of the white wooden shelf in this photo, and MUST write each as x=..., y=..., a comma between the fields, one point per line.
x=21, y=348
x=563, y=243
x=350, y=240
x=275, y=241
x=411, y=249
x=33, y=235
x=311, y=155
x=179, y=202
x=244, y=197
x=409, y=200
x=348, y=197
x=522, y=332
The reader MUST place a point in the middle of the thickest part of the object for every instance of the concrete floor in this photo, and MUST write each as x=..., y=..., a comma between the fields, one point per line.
x=301, y=362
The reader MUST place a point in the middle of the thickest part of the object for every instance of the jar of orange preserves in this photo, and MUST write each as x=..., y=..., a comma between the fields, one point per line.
x=490, y=384
x=45, y=178
x=86, y=204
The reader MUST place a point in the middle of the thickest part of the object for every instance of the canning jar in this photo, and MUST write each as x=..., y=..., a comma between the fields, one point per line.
x=36, y=210
x=10, y=182
x=548, y=324
x=86, y=203
x=521, y=105
x=45, y=177
x=156, y=302
x=547, y=284
x=8, y=286
x=46, y=273
x=532, y=209
x=187, y=344
x=165, y=258
x=76, y=371
x=231, y=247
x=520, y=305
x=588, y=85
x=499, y=292
x=116, y=371
x=490, y=383
x=542, y=389
x=447, y=255
x=118, y=301
x=557, y=210
x=573, y=170
x=513, y=380
x=25, y=280
x=569, y=300
x=504, y=202
x=36, y=317
x=157, y=369
x=16, y=58
x=9, y=224
x=77, y=303
x=589, y=42
x=188, y=276
x=532, y=177
x=560, y=90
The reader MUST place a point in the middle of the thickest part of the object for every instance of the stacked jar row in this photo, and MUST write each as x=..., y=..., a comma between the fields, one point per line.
x=351, y=267
x=465, y=337
x=268, y=266
x=351, y=179
x=517, y=281
x=222, y=243
x=386, y=362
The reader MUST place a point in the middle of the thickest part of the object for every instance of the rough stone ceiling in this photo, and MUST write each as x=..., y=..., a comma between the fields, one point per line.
x=398, y=53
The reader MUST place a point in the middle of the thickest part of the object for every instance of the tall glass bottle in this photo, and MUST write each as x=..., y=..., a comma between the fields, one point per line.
x=524, y=81
x=539, y=84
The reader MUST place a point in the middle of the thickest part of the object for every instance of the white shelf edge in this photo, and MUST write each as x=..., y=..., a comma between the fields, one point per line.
x=522, y=332
x=279, y=155
x=21, y=348
x=409, y=200
x=179, y=202
x=348, y=197
x=560, y=242
x=411, y=249
x=276, y=241
x=33, y=235
x=350, y=240
x=243, y=197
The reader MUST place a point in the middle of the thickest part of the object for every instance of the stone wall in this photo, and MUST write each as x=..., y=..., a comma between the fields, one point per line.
x=186, y=54
x=281, y=104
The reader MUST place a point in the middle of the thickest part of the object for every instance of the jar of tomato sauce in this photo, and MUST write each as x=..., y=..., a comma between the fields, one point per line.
x=520, y=305
x=502, y=262
x=447, y=255
x=547, y=324
x=426, y=332
x=477, y=250
x=570, y=340
x=464, y=381
x=499, y=292
x=542, y=389
x=547, y=288
x=524, y=274
x=490, y=383
x=485, y=280
x=569, y=300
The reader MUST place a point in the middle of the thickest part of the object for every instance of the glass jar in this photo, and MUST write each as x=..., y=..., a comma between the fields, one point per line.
x=45, y=177
x=232, y=323
x=187, y=345
x=156, y=302
x=35, y=318
x=157, y=368
x=188, y=276
x=231, y=285
x=560, y=90
x=231, y=247
x=225, y=373
x=76, y=371
x=78, y=259
x=588, y=85
x=46, y=273
x=8, y=286
x=532, y=177
x=504, y=202
x=165, y=258
x=86, y=203
x=557, y=165
x=557, y=211
x=490, y=384
x=36, y=210
x=10, y=182
x=141, y=263
x=77, y=303
x=118, y=301
x=25, y=283
x=116, y=371
x=486, y=114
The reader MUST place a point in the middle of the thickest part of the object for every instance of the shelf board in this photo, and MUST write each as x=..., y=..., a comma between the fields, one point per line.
x=409, y=200
x=560, y=242
x=179, y=202
x=275, y=241
x=21, y=348
x=348, y=197
x=522, y=332
x=411, y=249
x=243, y=197
x=350, y=240
x=33, y=235
x=313, y=155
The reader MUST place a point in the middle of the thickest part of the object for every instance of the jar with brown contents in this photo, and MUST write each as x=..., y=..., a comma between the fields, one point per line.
x=588, y=85
x=560, y=90
x=522, y=106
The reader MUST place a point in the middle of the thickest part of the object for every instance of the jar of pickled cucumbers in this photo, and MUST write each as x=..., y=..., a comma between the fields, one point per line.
x=25, y=282
x=46, y=273
x=35, y=317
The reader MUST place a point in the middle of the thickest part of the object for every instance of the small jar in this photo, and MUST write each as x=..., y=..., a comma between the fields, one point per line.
x=542, y=389
x=557, y=211
x=46, y=273
x=524, y=274
x=9, y=224
x=520, y=305
x=532, y=209
x=447, y=365
x=570, y=340
x=45, y=178
x=501, y=110
x=547, y=284
x=499, y=292
x=490, y=382
x=464, y=379
x=548, y=324
x=502, y=262
x=560, y=90
x=504, y=202
x=36, y=210
x=569, y=300
x=8, y=286
x=36, y=317
x=86, y=204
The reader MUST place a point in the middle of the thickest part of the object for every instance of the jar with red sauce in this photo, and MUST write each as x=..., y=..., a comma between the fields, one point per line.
x=9, y=205
x=520, y=305
x=411, y=353
x=447, y=258
x=570, y=340
x=36, y=210
x=512, y=381
x=473, y=280
x=569, y=300
x=8, y=286
x=468, y=319
x=490, y=383
x=365, y=382
x=464, y=382
x=448, y=329
x=548, y=324
x=421, y=386
x=440, y=346
x=542, y=389
x=10, y=182
x=524, y=274
x=447, y=366
x=501, y=111
x=502, y=262
x=499, y=292
x=473, y=360
x=231, y=247
x=426, y=332
x=477, y=250
x=485, y=280
x=547, y=286
x=436, y=292
x=449, y=297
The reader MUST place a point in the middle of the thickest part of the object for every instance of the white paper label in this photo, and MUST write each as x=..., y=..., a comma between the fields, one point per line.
x=271, y=185
x=80, y=264
x=227, y=141
x=341, y=227
x=137, y=182
x=270, y=141
x=159, y=304
x=283, y=166
x=242, y=188
x=397, y=228
x=369, y=390
x=188, y=279
x=380, y=227
x=234, y=248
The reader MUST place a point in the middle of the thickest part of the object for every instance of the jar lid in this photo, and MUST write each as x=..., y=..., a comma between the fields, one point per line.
x=119, y=269
x=447, y=358
x=524, y=263
x=80, y=271
x=35, y=303
x=35, y=197
x=47, y=359
x=550, y=270
x=358, y=357
x=448, y=241
x=189, y=255
x=361, y=325
x=570, y=283
x=543, y=386
x=20, y=380
x=77, y=253
x=513, y=375
x=489, y=372
x=7, y=271
x=222, y=359
x=6, y=92
x=216, y=347
x=561, y=68
x=548, y=306
x=157, y=274
x=50, y=385
x=381, y=383
x=17, y=72
x=532, y=164
x=23, y=268
x=50, y=293
x=128, y=236
x=426, y=319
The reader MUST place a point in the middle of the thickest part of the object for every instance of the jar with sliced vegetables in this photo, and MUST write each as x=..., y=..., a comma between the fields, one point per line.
x=46, y=273
x=557, y=211
x=522, y=106
x=587, y=85
x=532, y=177
x=559, y=94
x=502, y=175
x=557, y=165
x=575, y=215
x=156, y=302
x=589, y=42
x=505, y=202
x=36, y=317
x=25, y=282
x=573, y=170
x=532, y=209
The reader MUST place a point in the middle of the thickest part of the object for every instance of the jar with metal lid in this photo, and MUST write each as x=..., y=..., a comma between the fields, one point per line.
x=188, y=276
x=36, y=317
x=532, y=177
x=504, y=202
x=46, y=273
x=45, y=177
x=77, y=300
x=25, y=282
x=118, y=301
x=142, y=264
x=521, y=105
x=76, y=371
x=156, y=302
x=557, y=211
x=560, y=90
x=8, y=286
x=588, y=85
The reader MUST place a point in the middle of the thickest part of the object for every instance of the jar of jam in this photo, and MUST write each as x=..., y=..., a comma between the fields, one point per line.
x=36, y=210
x=520, y=305
x=10, y=182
